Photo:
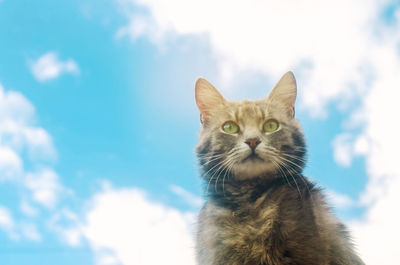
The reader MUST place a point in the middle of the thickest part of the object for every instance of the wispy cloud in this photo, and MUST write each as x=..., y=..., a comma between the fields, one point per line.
x=49, y=66
x=27, y=209
x=44, y=186
x=17, y=230
x=7, y=223
x=338, y=200
x=10, y=163
x=18, y=132
x=188, y=197
x=30, y=231
x=25, y=151
x=67, y=225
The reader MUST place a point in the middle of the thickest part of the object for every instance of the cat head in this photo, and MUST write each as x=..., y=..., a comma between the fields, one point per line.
x=249, y=139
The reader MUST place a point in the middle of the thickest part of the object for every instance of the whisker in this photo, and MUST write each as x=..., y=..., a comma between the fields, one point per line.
x=293, y=163
x=205, y=156
x=294, y=179
x=275, y=159
x=229, y=160
x=299, y=159
x=216, y=165
x=228, y=169
x=220, y=169
x=281, y=170
x=212, y=158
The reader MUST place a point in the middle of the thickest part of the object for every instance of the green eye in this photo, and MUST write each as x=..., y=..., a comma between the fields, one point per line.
x=270, y=126
x=230, y=127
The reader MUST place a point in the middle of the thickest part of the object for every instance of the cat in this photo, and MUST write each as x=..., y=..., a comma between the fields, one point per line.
x=260, y=209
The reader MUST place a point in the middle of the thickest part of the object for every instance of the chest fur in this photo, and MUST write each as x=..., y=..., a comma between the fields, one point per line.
x=249, y=237
x=266, y=232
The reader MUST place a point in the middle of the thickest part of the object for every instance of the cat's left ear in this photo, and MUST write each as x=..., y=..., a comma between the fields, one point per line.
x=285, y=92
x=207, y=99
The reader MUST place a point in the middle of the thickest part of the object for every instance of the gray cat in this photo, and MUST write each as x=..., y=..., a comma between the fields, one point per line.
x=260, y=209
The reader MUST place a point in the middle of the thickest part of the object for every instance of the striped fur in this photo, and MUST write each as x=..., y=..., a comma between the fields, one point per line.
x=260, y=209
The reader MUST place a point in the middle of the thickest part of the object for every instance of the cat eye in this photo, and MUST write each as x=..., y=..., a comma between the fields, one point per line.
x=230, y=127
x=270, y=126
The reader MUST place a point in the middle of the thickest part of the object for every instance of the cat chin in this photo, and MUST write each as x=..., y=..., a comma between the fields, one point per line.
x=253, y=168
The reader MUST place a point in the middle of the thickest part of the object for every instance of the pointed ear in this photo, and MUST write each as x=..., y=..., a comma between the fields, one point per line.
x=207, y=98
x=285, y=92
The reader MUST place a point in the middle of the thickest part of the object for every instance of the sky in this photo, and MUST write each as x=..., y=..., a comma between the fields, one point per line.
x=98, y=122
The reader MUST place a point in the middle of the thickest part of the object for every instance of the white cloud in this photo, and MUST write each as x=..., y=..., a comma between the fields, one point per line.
x=124, y=226
x=28, y=209
x=14, y=106
x=378, y=232
x=273, y=36
x=343, y=149
x=7, y=223
x=30, y=231
x=342, y=51
x=339, y=200
x=10, y=163
x=24, y=145
x=49, y=66
x=381, y=195
x=39, y=143
x=18, y=131
x=346, y=146
x=45, y=187
x=66, y=224
x=15, y=230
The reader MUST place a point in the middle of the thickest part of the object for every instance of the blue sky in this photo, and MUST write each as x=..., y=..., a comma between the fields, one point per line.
x=99, y=123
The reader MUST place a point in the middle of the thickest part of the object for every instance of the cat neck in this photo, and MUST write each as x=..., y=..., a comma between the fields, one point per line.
x=234, y=194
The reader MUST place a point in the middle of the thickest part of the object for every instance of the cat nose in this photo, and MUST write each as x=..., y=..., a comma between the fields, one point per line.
x=253, y=142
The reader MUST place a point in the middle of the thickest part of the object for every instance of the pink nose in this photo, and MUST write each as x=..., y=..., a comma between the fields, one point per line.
x=253, y=142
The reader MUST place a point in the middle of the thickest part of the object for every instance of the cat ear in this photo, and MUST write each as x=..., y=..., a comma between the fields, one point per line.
x=285, y=92
x=207, y=98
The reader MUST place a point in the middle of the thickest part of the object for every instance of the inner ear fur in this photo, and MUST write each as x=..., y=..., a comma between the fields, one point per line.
x=207, y=98
x=285, y=92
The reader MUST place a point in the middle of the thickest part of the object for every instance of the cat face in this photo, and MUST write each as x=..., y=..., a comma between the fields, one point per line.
x=250, y=138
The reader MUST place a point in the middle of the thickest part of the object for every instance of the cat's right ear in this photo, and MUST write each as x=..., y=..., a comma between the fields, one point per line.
x=207, y=98
x=285, y=92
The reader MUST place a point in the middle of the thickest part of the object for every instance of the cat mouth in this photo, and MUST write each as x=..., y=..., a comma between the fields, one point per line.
x=252, y=157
